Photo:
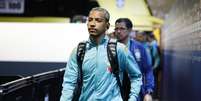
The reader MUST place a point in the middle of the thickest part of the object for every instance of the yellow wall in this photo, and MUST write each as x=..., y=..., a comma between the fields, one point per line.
x=157, y=34
x=136, y=10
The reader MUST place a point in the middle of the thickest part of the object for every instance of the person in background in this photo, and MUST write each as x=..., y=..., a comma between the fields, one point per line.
x=154, y=49
x=142, y=38
x=155, y=54
x=99, y=83
x=123, y=29
x=132, y=34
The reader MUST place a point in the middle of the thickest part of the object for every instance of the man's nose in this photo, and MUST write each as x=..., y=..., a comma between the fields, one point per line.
x=92, y=24
x=117, y=31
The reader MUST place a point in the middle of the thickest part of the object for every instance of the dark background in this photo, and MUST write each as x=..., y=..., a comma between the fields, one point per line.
x=56, y=8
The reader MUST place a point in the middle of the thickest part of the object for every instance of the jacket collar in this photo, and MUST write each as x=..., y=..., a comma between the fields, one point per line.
x=103, y=40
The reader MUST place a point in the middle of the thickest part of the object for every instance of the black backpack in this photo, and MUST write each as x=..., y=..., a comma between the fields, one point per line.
x=112, y=56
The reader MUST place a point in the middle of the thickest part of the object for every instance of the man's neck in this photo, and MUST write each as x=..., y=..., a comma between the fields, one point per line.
x=125, y=41
x=97, y=39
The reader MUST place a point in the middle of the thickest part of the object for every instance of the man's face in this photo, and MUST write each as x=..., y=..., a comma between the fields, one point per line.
x=121, y=31
x=140, y=37
x=97, y=24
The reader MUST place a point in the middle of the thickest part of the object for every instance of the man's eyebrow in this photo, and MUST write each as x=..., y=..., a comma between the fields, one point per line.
x=96, y=18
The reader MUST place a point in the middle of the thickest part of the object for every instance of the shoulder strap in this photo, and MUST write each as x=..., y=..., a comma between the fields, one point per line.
x=112, y=55
x=80, y=57
x=113, y=58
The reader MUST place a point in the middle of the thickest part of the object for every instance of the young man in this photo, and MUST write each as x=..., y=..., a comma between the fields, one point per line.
x=123, y=28
x=99, y=83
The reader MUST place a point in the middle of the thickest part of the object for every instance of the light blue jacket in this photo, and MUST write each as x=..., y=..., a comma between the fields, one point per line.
x=153, y=46
x=99, y=83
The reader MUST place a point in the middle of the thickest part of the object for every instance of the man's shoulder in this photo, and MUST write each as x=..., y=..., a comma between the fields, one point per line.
x=122, y=48
x=119, y=44
x=136, y=44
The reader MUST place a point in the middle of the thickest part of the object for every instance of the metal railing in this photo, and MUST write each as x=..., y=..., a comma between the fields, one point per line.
x=40, y=87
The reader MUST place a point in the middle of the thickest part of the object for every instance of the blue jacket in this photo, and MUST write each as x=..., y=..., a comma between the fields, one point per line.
x=99, y=83
x=142, y=58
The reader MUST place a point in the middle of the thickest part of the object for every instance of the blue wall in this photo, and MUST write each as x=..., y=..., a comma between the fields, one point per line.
x=182, y=52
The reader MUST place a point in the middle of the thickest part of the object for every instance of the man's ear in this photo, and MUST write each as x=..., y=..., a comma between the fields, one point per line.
x=130, y=29
x=108, y=25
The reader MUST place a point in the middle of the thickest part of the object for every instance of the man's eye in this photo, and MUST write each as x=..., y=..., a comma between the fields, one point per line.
x=121, y=29
x=89, y=19
x=99, y=20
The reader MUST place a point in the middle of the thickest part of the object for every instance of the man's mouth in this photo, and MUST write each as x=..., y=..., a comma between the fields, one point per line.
x=92, y=30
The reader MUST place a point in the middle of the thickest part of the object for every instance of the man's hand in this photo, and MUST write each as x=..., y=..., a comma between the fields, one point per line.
x=147, y=97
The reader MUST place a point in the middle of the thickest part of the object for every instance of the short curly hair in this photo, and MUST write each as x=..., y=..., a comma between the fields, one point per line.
x=106, y=13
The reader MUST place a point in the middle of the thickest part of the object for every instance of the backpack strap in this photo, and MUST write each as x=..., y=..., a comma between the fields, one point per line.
x=80, y=57
x=112, y=56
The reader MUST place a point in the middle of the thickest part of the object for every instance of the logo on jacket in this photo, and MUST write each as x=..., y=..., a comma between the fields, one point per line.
x=109, y=69
x=137, y=54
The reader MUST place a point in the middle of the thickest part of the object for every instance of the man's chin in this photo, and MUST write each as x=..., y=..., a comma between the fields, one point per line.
x=119, y=39
x=93, y=34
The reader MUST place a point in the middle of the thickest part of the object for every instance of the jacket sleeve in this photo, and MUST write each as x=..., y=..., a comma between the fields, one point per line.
x=156, y=57
x=127, y=62
x=70, y=77
x=148, y=72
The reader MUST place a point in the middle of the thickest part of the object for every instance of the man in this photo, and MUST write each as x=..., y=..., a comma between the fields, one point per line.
x=154, y=49
x=141, y=37
x=123, y=28
x=155, y=56
x=99, y=83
